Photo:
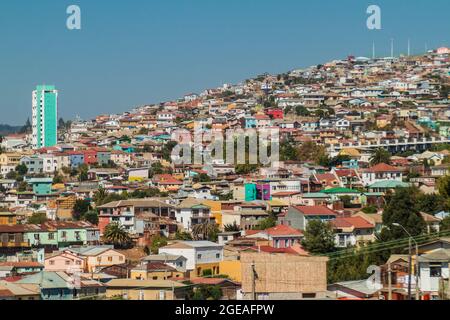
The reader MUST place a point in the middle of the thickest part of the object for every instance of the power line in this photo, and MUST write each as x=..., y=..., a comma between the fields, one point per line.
x=429, y=236
x=382, y=247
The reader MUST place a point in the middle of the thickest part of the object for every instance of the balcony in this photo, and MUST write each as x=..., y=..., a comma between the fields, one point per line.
x=14, y=244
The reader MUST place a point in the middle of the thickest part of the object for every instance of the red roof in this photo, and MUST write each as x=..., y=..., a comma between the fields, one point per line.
x=166, y=179
x=21, y=264
x=251, y=232
x=356, y=222
x=283, y=230
x=383, y=167
x=269, y=249
x=316, y=210
x=346, y=173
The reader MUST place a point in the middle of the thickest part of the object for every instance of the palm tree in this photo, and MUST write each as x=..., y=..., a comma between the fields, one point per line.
x=116, y=235
x=204, y=231
x=100, y=196
x=380, y=155
x=232, y=227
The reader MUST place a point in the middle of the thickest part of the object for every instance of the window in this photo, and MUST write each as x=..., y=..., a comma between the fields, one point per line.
x=199, y=256
x=51, y=236
x=218, y=256
x=67, y=263
x=435, y=271
x=110, y=259
x=52, y=262
x=308, y=295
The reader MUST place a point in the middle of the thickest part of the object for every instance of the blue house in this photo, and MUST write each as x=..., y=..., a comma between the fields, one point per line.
x=41, y=186
x=124, y=148
x=76, y=159
x=62, y=286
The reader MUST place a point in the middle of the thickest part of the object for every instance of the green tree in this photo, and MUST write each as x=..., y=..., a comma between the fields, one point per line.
x=232, y=227
x=184, y=236
x=310, y=151
x=58, y=179
x=23, y=186
x=117, y=235
x=445, y=224
x=92, y=217
x=157, y=242
x=402, y=209
x=167, y=150
x=99, y=196
x=80, y=208
x=318, y=237
x=205, y=231
x=202, y=177
x=12, y=175
x=288, y=152
x=206, y=292
x=370, y=209
x=380, y=155
x=21, y=169
x=444, y=187
x=83, y=172
x=38, y=218
x=267, y=223
x=301, y=111
x=430, y=203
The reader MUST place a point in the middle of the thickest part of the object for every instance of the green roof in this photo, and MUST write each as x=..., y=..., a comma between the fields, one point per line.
x=340, y=190
x=315, y=195
x=389, y=184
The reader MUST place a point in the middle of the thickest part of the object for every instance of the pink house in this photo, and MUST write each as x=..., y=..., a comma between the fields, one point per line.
x=281, y=236
x=65, y=261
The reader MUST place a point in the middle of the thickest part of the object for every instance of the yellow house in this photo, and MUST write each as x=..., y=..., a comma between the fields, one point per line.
x=351, y=152
x=10, y=159
x=216, y=210
x=99, y=257
x=8, y=218
x=129, y=289
x=231, y=268
x=155, y=271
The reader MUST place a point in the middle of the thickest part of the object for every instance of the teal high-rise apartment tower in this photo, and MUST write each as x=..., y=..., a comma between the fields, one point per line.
x=45, y=117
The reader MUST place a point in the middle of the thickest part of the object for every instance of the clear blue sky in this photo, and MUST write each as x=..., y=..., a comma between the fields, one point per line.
x=135, y=52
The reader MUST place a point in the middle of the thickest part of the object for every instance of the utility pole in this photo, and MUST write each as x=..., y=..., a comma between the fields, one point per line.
x=409, y=270
x=392, y=48
x=417, y=273
x=389, y=282
x=409, y=47
x=254, y=277
x=410, y=263
x=373, y=51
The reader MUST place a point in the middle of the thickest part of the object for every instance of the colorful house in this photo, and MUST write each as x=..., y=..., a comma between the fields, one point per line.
x=41, y=186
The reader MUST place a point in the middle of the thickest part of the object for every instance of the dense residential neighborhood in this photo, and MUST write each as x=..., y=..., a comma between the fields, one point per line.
x=357, y=206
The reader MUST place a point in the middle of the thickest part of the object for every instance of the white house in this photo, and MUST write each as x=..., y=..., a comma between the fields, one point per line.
x=433, y=268
x=199, y=254
x=381, y=172
x=191, y=212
